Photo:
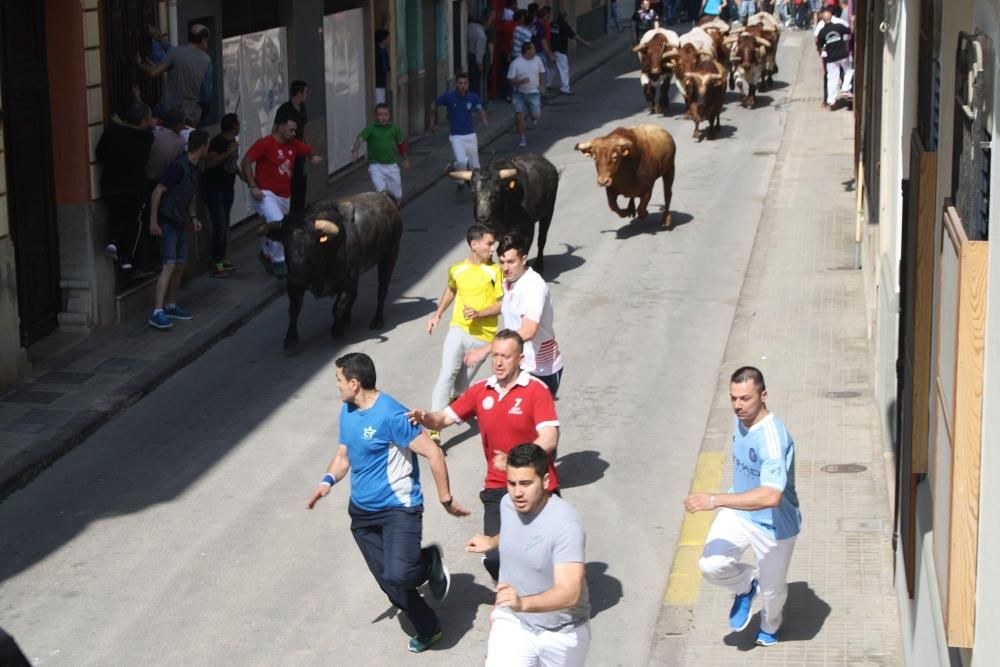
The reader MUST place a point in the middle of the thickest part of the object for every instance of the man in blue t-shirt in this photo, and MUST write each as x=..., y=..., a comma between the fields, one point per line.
x=461, y=104
x=760, y=511
x=378, y=444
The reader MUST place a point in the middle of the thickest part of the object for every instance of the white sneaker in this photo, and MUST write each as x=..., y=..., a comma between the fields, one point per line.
x=111, y=251
x=523, y=142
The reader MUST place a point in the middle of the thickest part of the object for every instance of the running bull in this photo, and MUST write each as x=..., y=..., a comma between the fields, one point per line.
x=656, y=50
x=328, y=247
x=629, y=160
x=512, y=194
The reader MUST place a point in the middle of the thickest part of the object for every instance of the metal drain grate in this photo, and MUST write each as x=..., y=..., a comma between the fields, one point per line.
x=843, y=394
x=844, y=468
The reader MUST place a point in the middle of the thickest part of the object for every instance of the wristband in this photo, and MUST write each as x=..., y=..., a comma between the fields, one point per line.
x=328, y=479
x=447, y=503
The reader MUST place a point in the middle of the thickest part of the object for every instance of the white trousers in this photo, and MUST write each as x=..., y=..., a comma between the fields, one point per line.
x=386, y=178
x=465, y=148
x=833, y=71
x=728, y=538
x=273, y=209
x=512, y=645
x=562, y=64
x=455, y=375
x=380, y=96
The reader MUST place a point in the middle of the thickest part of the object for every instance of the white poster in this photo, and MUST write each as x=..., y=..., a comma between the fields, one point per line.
x=255, y=81
x=345, y=64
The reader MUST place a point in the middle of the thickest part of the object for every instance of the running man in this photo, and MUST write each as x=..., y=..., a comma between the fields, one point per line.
x=511, y=408
x=527, y=78
x=476, y=286
x=542, y=605
x=761, y=511
x=461, y=130
x=385, y=146
x=377, y=444
x=270, y=183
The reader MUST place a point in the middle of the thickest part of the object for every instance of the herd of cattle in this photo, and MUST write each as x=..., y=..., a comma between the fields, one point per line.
x=328, y=247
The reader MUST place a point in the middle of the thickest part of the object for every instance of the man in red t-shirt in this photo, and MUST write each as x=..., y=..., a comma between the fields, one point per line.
x=513, y=408
x=271, y=185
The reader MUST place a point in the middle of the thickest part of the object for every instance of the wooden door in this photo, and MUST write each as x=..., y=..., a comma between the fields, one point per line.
x=28, y=141
x=126, y=34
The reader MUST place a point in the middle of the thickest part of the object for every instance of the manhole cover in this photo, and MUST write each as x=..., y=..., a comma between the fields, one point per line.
x=861, y=525
x=843, y=394
x=844, y=467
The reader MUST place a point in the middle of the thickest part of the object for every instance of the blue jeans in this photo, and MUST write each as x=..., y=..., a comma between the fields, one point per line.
x=173, y=242
x=552, y=381
x=219, y=204
x=389, y=540
x=747, y=9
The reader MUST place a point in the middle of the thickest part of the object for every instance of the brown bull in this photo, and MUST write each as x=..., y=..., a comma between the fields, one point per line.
x=655, y=71
x=704, y=93
x=629, y=160
x=770, y=68
x=746, y=65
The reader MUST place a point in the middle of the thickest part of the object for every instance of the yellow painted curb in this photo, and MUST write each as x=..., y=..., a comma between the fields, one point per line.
x=684, y=584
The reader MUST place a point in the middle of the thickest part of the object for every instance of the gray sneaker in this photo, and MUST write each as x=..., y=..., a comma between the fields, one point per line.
x=439, y=579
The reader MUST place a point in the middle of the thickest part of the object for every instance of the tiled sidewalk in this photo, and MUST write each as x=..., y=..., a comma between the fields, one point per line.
x=801, y=320
x=71, y=394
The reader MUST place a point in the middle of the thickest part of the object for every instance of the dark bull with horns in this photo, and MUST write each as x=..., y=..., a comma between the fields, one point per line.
x=512, y=194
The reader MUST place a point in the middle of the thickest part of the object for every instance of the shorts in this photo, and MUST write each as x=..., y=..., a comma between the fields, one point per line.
x=386, y=178
x=272, y=207
x=530, y=102
x=173, y=243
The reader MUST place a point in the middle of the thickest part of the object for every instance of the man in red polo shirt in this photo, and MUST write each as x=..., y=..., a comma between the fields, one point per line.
x=512, y=408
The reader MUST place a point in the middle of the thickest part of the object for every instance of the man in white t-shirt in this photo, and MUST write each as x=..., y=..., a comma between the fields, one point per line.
x=527, y=309
x=527, y=78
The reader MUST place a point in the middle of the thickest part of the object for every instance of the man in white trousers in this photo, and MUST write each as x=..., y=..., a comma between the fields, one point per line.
x=461, y=104
x=561, y=34
x=542, y=609
x=833, y=40
x=761, y=511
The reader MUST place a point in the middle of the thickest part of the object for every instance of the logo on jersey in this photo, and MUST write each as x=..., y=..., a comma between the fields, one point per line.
x=468, y=105
x=516, y=409
x=368, y=433
x=753, y=455
x=488, y=403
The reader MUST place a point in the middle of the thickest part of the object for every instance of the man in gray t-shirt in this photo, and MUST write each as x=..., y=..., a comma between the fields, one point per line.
x=186, y=67
x=542, y=605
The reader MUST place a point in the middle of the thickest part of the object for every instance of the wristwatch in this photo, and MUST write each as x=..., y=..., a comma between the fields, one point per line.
x=447, y=503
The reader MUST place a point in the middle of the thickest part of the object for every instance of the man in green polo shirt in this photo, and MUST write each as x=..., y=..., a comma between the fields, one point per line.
x=385, y=147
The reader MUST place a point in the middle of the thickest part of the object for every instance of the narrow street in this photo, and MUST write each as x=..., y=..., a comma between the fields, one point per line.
x=178, y=534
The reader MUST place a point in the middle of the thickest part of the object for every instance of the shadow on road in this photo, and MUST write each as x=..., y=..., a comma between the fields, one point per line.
x=605, y=590
x=805, y=614
x=652, y=225
x=556, y=265
x=580, y=468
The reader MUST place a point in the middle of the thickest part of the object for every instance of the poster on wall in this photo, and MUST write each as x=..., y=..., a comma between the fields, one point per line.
x=345, y=64
x=255, y=81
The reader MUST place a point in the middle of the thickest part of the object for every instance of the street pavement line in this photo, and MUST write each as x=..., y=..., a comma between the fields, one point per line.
x=684, y=584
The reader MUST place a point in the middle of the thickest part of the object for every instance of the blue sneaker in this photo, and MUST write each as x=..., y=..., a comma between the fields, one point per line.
x=420, y=644
x=768, y=638
x=159, y=321
x=175, y=312
x=739, y=615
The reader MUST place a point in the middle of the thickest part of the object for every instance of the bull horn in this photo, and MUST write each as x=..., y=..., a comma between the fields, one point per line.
x=583, y=146
x=507, y=173
x=465, y=175
x=640, y=47
x=672, y=53
x=327, y=227
x=763, y=42
x=730, y=39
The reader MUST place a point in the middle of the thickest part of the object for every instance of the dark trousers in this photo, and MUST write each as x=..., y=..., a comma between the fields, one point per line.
x=491, y=526
x=390, y=542
x=298, y=200
x=125, y=221
x=552, y=381
x=475, y=77
x=219, y=204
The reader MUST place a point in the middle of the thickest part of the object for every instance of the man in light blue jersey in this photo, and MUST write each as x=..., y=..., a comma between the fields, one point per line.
x=760, y=511
x=377, y=444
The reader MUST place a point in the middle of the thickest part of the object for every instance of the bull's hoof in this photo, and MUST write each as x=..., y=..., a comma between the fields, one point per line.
x=668, y=221
x=376, y=323
x=658, y=109
x=643, y=213
x=621, y=213
x=338, y=330
x=291, y=344
x=629, y=212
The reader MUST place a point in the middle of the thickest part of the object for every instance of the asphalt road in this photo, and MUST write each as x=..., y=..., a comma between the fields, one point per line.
x=178, y=533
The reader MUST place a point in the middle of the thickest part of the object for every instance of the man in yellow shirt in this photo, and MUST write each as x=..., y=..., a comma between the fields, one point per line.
x=476, y=287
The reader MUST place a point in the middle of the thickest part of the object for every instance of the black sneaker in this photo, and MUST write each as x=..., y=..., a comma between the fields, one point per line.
x=439, y=579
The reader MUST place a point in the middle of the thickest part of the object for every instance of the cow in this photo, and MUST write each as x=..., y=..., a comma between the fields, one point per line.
x=655, y=50
x=328, y=247
x=705, y=91
x=629, y=160
x=762, y=25
x=717, y=29
x=512, y=194
x=747, y=64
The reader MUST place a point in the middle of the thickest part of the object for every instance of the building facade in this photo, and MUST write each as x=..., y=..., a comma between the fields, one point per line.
x=926, y=110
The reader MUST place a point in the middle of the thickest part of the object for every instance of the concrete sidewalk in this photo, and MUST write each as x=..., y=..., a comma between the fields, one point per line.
x=74, y=392
x=800, y=319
